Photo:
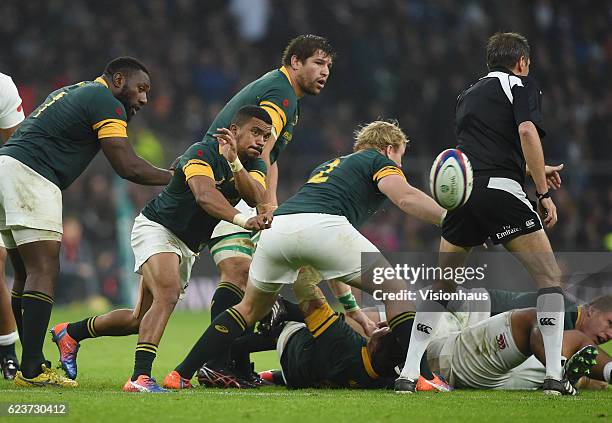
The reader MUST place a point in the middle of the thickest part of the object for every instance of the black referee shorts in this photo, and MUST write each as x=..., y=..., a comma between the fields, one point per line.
x=498, y=208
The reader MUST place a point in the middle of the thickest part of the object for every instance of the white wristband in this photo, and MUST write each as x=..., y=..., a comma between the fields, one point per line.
x=236, y=165
x=240, y=220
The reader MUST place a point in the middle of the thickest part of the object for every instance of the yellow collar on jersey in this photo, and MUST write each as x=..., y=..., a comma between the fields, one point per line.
x=296, y=90
x=101, y=81
x=578, y=318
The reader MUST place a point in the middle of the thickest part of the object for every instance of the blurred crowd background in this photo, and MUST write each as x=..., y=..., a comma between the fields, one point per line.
x=403, y=59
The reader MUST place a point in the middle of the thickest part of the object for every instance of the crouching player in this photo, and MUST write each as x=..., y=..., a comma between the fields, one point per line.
x=210, y=179
x=317, y=228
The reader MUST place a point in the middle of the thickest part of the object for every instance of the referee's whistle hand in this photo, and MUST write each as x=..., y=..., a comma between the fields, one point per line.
x=548, y=212
x=552, y=176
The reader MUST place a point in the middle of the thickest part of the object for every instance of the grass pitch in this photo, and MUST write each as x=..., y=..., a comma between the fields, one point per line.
x=106, y=363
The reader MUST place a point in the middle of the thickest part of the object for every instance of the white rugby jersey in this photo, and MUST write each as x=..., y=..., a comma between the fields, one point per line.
x=11, y=110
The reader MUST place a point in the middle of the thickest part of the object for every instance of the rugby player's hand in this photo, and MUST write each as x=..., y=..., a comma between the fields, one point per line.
x=360, y=317
x=259, y=222
x=548, y=212
x=264, y=208
x=552, y=176
x=227, y=141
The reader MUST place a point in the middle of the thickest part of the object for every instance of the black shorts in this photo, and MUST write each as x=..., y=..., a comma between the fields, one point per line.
x=498, y=208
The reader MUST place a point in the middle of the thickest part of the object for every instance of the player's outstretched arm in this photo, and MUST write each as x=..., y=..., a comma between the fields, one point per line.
x=411, y=200
x=130, y=165
x=215, y=204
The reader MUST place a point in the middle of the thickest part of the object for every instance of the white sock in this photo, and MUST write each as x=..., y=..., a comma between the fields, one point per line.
x=424, y=326
x=551, y=315
x=607, y=372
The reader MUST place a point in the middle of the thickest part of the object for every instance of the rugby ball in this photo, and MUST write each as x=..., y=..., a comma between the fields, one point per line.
x=451, y=179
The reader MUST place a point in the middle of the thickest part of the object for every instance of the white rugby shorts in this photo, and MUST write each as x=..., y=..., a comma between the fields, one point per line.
x=30, y=205
x=328, y=243
x=150, y=238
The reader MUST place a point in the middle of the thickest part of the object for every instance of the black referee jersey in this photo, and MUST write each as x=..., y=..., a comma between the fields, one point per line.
x=487, y=118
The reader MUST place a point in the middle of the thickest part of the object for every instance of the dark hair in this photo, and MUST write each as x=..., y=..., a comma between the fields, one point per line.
x=388, y=356
x=251, y=111
x=505, y=49
x=304, y=46
x=603, y=303
x=126, y=65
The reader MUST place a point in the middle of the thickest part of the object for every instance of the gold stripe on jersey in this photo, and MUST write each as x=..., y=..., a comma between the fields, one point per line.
x=386, y=171
x=277, y=121
x=111, y=128
x=259, y=177
x=367, y=364
x=281, y=112
x=320, y=320
x=195, y=167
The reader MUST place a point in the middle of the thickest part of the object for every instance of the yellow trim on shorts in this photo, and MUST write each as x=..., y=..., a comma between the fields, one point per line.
x=259, y=177
x=320, y=320
x=196, y=167
x=386, y=171
x=367, y=363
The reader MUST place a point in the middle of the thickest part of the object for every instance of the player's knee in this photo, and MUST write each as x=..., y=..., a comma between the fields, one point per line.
x=167, y=296
x=47, y=268
x=235, y=271
x=133, y=324
x=3, y=255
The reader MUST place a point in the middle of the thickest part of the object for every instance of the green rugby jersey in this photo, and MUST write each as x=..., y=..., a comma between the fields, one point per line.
x=176, y=207
x=345, y=186
x=502, y=301
x=273, y=92
x=61, y=137
x=335, y=358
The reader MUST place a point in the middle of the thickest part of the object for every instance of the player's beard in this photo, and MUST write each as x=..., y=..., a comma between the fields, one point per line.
x=123, y=98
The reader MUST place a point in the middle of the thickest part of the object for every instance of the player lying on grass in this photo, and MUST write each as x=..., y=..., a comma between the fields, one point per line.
x=594, y=320
x=320, y=349
x=210, y=178
x=484, y=355
x=317, y=227
x=488, y=354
